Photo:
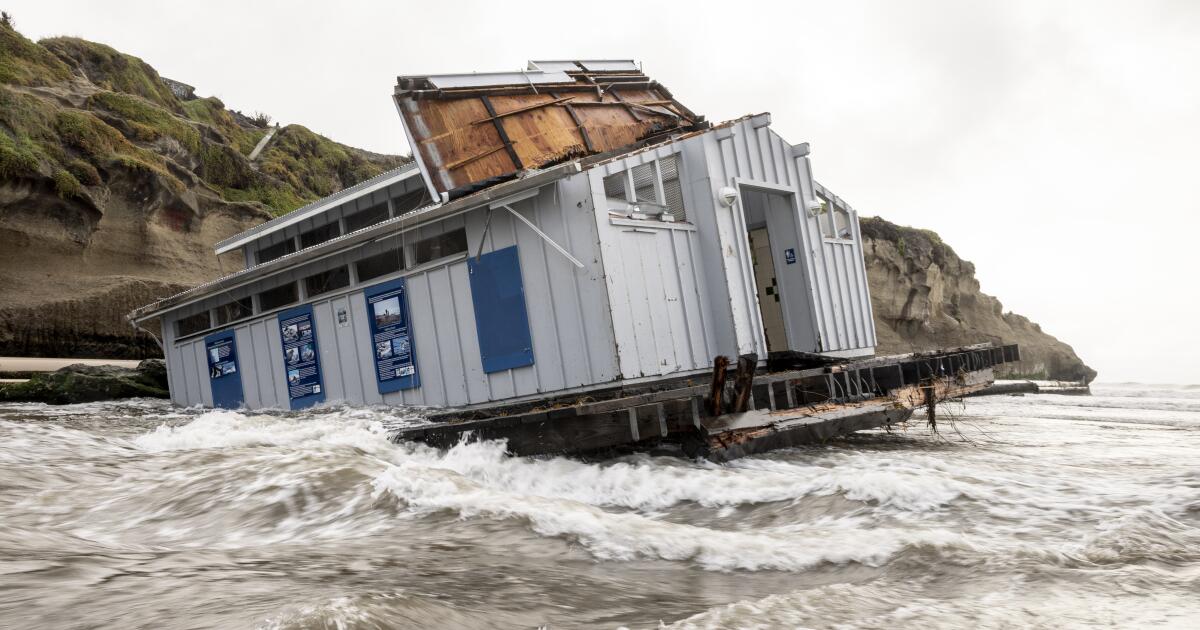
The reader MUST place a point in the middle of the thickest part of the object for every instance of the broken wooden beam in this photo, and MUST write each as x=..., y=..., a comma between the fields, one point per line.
x=720, y=367
x=743, y=382
x=520, y=110
x=499, y=124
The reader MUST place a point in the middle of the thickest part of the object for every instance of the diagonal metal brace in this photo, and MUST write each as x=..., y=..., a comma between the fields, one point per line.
x=544, y=236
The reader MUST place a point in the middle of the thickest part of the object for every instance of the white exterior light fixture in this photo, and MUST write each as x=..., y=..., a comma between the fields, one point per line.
x=727, y=196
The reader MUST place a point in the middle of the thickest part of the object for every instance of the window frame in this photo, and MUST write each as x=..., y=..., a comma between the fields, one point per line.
x=330, y=275
x=417, y=261
x=395, y=251
x=373, y=209
x=246, y=302
x=334, y=227
x=626, y=176
x=179, y=334
x=295, y=299
x=288, y=245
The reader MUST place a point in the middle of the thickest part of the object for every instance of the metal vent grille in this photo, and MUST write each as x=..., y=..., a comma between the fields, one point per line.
x=643, y=183
x=614, y=186
x=672, y=189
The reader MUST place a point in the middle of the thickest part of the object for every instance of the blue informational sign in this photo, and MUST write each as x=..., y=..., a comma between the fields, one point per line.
x=301, y=361
x=501, y=320
x=789, y=255
x=391, y=337
x=223, y=374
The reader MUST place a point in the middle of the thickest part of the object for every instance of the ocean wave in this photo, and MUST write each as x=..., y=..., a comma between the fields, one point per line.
x=364, y=428
x=654, y=483
x=630, y=535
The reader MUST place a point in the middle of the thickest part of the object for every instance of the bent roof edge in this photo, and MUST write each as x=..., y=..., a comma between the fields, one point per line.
x=299, y=214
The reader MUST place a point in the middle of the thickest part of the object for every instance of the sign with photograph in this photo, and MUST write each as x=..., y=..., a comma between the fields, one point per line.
x=301, y=364
x=220, y=350
x=391, y=337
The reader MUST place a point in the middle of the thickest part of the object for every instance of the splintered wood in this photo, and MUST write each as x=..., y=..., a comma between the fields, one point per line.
x=469, y=136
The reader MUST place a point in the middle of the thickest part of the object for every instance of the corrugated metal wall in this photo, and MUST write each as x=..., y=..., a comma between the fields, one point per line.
x=748, y=153
x=659, y=310
x=654, y=298
x=572, y=333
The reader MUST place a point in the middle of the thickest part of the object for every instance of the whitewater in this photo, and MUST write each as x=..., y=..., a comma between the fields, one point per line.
x=1021, y=511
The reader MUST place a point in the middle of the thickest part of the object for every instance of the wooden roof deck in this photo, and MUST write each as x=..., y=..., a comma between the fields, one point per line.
x=471, y=135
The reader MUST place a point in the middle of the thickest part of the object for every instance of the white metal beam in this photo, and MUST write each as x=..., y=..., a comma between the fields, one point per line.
x=544, y=236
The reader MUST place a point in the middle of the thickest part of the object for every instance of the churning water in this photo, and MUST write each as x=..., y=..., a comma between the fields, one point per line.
x=1047, y=511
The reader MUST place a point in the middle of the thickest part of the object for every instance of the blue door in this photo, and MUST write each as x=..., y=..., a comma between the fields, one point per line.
x=501, y=320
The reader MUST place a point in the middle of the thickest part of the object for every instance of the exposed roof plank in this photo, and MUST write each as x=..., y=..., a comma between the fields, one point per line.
x=523, y=109
x=508, y=145
x=604, y=106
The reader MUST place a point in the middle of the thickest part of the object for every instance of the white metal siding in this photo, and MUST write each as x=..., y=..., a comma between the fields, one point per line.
x=568, y=318
x=659, y=314
x=651, y=299
x=749, y=152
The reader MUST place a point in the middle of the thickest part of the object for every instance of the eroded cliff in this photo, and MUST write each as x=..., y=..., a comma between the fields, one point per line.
x=925, y=297
x=114, y=186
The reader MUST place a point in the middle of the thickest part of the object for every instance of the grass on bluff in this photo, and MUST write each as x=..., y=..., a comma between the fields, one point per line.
x=113, y=70
x=148, y=121
x=212, y=111
x=104, y=145
x=57, y=142
x=123, y=125
x=314, y=163
x=23, y=62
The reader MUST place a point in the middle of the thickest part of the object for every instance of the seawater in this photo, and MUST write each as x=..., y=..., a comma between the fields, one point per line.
x=1031, y=511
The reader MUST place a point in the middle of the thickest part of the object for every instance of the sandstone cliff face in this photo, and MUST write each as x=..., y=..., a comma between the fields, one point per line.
x=925, y=297
x=114, y=189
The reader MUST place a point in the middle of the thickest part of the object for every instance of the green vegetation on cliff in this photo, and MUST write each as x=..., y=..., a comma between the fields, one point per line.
x=110, y=112
x=23, y=62
x=115, y=183
x=113, y=70
x=65, y=145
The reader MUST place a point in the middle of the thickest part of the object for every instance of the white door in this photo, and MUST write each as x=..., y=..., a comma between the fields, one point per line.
x=767, y=287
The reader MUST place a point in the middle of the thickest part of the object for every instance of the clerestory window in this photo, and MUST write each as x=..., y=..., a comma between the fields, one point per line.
x=653, y=189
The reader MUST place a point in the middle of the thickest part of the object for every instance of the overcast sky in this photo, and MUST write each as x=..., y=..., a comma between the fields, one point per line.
x=1054, y=144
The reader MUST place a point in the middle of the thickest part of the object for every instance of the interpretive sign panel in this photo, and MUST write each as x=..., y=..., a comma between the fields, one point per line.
x=301, y=360
x=391, y=337
x=223, y=375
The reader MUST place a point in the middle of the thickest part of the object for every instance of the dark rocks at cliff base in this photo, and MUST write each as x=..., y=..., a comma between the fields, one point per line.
x=90, y=383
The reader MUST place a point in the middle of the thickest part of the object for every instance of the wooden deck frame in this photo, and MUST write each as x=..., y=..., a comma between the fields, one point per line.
x=784, y=409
